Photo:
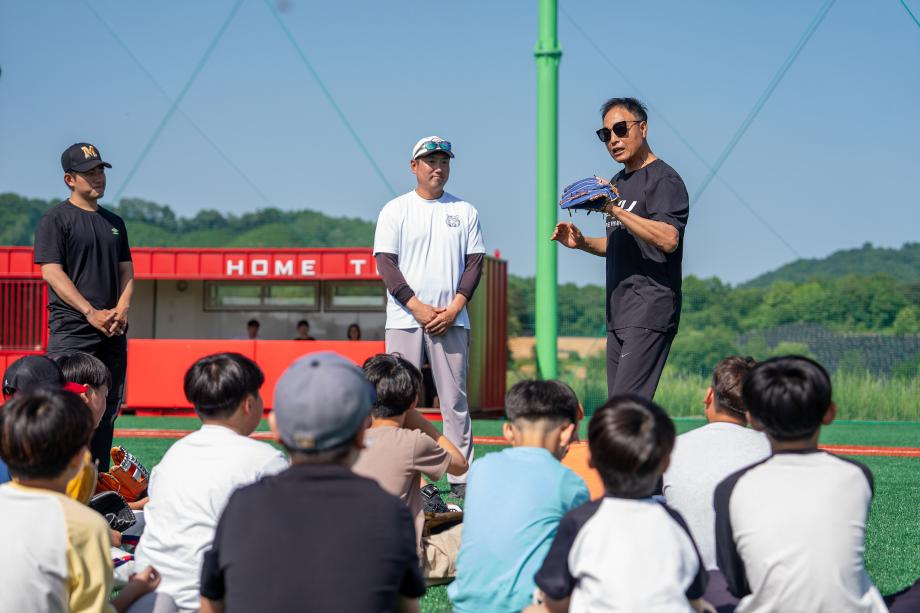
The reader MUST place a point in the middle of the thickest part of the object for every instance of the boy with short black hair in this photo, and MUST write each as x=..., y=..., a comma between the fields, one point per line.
x=401, y=445
x=192, y=483
x=515, y=500
x=90, y=371
x=37, y=372
x=56, y=550
x=93, y=375
x=626, y=551
x=790, y=530
x=336, y=541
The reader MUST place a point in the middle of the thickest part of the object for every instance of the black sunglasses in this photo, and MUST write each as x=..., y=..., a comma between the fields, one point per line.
x=620, y=128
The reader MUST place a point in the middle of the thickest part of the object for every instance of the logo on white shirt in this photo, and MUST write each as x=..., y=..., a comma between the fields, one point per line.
x=453, y=221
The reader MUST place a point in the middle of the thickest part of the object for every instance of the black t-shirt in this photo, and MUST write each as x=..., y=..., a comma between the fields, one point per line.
x=643, y=283
x=313, y=538
x=89, y=246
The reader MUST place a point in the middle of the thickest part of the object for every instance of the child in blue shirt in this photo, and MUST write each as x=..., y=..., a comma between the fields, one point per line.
x=515, y=499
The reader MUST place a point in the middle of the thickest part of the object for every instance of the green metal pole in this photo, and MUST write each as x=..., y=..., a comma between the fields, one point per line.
x=548, y=54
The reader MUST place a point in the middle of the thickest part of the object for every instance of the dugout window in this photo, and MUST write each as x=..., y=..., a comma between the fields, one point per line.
x=355, y=296
x=261, y=296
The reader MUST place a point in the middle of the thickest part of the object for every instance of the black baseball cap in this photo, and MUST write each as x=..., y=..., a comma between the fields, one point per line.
x=81, y=157
x=36, y=372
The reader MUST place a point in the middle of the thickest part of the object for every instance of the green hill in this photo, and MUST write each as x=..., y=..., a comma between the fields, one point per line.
x=902, y=264
x=156, y=225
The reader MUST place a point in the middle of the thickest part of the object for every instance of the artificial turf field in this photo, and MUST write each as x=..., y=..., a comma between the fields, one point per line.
x=892, y=535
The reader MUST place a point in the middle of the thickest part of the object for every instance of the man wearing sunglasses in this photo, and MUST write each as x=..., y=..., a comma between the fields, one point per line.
x=643, y=247
x=429, y=253
x=83, y=252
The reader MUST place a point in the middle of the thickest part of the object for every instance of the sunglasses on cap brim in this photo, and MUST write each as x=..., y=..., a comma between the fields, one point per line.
x=431, y=145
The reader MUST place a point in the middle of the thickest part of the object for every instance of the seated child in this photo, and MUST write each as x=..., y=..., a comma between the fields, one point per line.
x=192, y=483
x=55, y=550
x=316, y=537
x=576, y=459
x=93, y=375
x=34, y=372
x=626, y=551
x=400, y=446
x=790, y=530
x=704, y=457
x=515, y=499
x=89, y=372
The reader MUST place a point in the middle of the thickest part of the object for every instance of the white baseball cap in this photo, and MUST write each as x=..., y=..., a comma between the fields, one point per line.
x=429, y=145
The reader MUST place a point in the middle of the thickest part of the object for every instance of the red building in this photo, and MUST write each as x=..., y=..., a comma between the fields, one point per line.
x=191, y=302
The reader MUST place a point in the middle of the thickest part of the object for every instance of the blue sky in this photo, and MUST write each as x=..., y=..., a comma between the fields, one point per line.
x=830, y=162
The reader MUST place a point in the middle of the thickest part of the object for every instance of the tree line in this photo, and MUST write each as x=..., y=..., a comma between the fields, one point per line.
x=883, y=299
x=156, y=225
x=877, y=303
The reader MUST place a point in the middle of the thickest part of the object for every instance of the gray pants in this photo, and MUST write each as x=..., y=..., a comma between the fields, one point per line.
x=154, y=602
x=448, y=355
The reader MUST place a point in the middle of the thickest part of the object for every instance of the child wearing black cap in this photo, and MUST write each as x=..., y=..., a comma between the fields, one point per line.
x=626, y=551
x=37, y=372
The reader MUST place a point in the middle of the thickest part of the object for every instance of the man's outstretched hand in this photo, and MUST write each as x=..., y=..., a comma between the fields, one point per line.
x=568, y=235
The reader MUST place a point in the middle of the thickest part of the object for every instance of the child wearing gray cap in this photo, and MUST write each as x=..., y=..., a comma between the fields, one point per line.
x=316, y=536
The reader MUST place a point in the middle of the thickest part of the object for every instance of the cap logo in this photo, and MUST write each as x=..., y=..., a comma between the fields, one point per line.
x=89, y=152
x=304, y=441
x=115, y=231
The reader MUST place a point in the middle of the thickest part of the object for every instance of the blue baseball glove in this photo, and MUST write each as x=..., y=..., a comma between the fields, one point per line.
x=591, y=194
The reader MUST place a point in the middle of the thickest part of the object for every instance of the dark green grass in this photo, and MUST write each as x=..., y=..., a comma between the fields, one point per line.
x=867, y=433
x=168, y=423
x=892, y=556
x=893, y=533
x=884, y=434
